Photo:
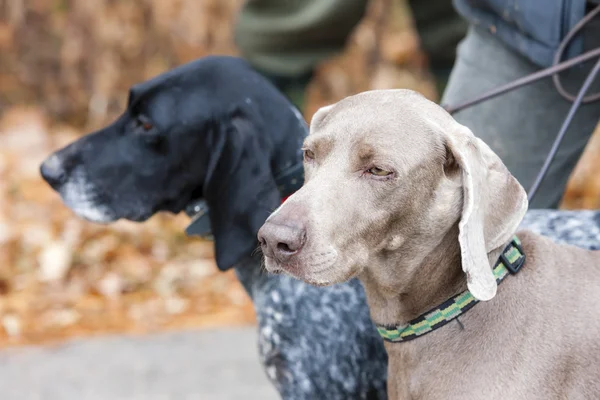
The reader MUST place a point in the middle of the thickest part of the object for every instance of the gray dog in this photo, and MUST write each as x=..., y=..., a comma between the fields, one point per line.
x=400, y=195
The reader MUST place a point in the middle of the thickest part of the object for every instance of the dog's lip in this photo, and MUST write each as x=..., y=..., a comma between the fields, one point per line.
x=291, y=268
x=296, y=270
x=275, y=265
x=309, y=277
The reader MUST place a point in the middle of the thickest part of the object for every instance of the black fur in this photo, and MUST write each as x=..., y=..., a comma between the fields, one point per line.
x=219, y=130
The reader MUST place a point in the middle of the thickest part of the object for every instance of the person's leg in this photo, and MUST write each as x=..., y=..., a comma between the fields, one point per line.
x=520, y=126
x=286, y=39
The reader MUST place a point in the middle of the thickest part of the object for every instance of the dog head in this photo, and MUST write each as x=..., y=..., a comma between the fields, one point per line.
x=212, y=129
x=388, y=175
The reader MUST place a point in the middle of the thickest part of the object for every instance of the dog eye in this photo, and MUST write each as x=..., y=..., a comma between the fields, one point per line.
x=378, y=171
x=144, y=123
x=308, y=154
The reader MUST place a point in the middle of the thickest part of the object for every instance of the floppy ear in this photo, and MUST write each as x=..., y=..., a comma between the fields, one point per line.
x=493, y=205
x=239, y=186
x=319, y=116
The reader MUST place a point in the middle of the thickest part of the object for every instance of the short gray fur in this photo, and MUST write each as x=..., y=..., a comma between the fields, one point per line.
x=319, y=343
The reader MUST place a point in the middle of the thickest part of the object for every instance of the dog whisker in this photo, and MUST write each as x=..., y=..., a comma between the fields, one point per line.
x=257, y=251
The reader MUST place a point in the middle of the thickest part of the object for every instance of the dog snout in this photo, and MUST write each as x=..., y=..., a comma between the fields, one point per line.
x=280, y=241
x=53, y=171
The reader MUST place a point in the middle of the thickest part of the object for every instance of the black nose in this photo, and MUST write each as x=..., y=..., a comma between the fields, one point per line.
x=53, y=171
x=281, y=242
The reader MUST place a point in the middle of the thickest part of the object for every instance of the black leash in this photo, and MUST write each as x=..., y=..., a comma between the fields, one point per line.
x=526, y=80
x=563, y=129
x=551, y=71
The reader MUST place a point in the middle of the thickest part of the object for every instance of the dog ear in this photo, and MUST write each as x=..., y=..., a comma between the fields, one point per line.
x=494, y=204
x=239, y=187
x=319, y=116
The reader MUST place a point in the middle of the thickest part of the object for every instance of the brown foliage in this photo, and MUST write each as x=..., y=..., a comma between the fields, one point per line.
x=77, y=59
x=65, y=68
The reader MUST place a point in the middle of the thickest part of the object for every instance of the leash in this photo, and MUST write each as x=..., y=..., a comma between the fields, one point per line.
x=563, y=129
x=551, y=71
x=291, y=180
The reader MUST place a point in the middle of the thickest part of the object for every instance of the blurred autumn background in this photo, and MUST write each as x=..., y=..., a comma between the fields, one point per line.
x=65, y=69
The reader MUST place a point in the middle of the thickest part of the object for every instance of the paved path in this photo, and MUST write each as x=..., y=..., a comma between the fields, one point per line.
x=207, y=364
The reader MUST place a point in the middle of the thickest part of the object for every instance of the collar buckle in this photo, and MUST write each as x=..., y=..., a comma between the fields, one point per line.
x=513, y=267
x=200, y=225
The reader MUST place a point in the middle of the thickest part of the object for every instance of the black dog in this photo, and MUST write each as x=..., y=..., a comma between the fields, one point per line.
x=217, y=130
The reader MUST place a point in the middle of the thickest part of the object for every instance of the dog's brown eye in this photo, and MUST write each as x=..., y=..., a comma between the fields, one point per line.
x=144, y=123
x=309, y=154
x=378, y=172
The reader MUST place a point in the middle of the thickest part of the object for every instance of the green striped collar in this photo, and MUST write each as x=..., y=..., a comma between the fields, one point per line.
x=511, y=260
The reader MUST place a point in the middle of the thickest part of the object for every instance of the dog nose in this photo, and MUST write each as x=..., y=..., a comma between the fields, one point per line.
x=53, y=171
x=281, y=241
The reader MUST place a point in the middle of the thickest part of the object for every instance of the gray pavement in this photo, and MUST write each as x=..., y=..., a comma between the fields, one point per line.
x=208, y=364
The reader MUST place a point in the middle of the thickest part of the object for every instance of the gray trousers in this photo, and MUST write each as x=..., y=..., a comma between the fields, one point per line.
x=520, y=126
